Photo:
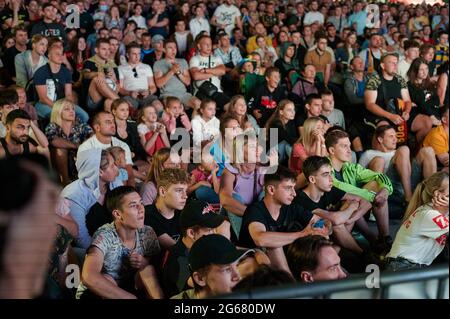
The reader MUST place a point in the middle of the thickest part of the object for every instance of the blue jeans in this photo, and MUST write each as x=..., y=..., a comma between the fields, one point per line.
x=207, y=194
x=284, y=151
x=44, y=111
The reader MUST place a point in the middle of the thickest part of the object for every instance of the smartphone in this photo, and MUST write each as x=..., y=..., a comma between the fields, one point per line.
x=319, y=224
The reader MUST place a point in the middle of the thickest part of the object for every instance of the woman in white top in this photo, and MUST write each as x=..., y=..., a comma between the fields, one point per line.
x=268, y=54
x=424, y=231
x=138, y=18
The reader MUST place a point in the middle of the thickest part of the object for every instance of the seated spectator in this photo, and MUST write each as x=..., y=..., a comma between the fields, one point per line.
x=331, y=204
x=260, y=30
x=313, y=258
x=137, y=16
x=310, y=143
x=372, y=55
x=238, y=109
x=183, y=38
x=263, y=276
x=197, y=219
x=199, y=23
x=158, y=19
x=27, y=62
x=267, y=53
x=118, y=261
x=275, y=222
x=100, y=78
x=23, y=103
x=97, y=174
x=76, y=54
x=152, y=135
x=164, y=214
x=48, y=25
x=206, y=67
x=395, y=162
x=221, y=150
x=205, y=125
x=17, y=140
x=424, y=95
x=158, y=51
x=287, y=64
x=334, y=41
x=204, y=182
x=437, y=139
x=213, y=264
x=65, y=133
x=441, y=47
x=411, y=53
x=172, y=77
x=8, y=102
x=321, y=58
x=283, y=121
x=334, y=116
x=305, y=85
x=162, y=159
x=53, y=81
x=231, y=57
x=104, y=132
x=136, y=79
x=427, y=53
x=265, y=98
x=242, y=179
x=118, y=155
x=9, y=55
x=126, y=131
x=423, y=234
x=313, y=107
x=346, y=53
x=175, y=119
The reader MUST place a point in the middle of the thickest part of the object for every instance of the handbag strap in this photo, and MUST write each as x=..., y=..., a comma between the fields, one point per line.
x=209, y=67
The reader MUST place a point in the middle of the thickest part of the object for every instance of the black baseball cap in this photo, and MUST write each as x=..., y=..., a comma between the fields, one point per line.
x=214, y=249
x=199, y=213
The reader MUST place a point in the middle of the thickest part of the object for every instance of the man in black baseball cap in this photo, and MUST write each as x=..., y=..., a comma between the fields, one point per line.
x=213, y=263
x=196, y=220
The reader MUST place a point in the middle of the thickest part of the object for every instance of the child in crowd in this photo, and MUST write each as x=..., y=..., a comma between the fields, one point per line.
x=204, y=181
x=118, y=154
x=152, y=134
x=174, y=117
x=205, y=125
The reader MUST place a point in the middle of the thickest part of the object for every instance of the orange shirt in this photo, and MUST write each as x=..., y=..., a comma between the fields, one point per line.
x=438, y=140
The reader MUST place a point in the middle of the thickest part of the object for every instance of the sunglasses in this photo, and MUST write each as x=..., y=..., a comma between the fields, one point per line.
x=135, y=72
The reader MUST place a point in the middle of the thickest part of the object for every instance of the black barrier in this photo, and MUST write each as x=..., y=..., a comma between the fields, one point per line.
x=324, y=289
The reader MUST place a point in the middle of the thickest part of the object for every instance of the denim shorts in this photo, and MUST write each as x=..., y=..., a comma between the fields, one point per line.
x=400, y=263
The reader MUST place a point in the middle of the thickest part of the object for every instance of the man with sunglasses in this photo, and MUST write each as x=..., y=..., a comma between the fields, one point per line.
x=136, y=80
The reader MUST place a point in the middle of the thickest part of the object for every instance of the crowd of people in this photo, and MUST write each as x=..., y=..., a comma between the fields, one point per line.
x=210, y=146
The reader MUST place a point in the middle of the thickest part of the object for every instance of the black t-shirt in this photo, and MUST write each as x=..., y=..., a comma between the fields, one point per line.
x=97, y=216
x=427, y=100
x=9, y=60
x=326, y=202
x=176, y=270
x=49, y=30
x=162, y=225
x=133, y=141
x=292, y=218
x=288, y=133
x=266, y=101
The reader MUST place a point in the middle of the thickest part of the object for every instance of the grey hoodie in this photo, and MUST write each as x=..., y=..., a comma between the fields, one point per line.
x=84, y=192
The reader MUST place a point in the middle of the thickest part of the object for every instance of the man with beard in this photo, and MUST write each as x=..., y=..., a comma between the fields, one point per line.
x=17, y=140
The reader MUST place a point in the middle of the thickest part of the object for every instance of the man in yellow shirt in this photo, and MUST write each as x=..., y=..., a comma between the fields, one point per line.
x=437, y=138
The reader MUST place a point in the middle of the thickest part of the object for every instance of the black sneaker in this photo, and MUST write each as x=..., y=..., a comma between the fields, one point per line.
x=382, y=246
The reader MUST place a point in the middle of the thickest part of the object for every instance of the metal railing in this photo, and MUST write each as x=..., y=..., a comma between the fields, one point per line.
x=325, y=289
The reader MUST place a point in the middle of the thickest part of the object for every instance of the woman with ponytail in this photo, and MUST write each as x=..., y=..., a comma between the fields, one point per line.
x=424, y=231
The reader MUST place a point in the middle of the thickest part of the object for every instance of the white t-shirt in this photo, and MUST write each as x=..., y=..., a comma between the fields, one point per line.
x=369, y=155
x=310, y=17
x=140, y=21
x=132, y=83
x=422, y=237
x=226, y=15
x=203, y=131
x=197, y=25
x=403, y=68
x=93, y=142
x=202, y=62
x=142, y=129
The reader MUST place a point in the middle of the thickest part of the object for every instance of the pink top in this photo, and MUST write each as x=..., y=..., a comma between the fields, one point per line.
x=296, y=163
x=171, y=122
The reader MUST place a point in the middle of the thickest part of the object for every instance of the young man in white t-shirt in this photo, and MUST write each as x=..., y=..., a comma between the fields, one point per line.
x=227, y=16
x=105, y=129
x=136, y=80
x=397, y=165
x=206, y=67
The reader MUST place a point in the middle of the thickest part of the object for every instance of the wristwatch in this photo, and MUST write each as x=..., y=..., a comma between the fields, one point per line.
x=178, y=73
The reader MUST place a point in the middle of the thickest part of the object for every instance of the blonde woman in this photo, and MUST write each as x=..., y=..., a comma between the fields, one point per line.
x=65, y=133
x=238, y=109
x=424, y=231
x=312, y=142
